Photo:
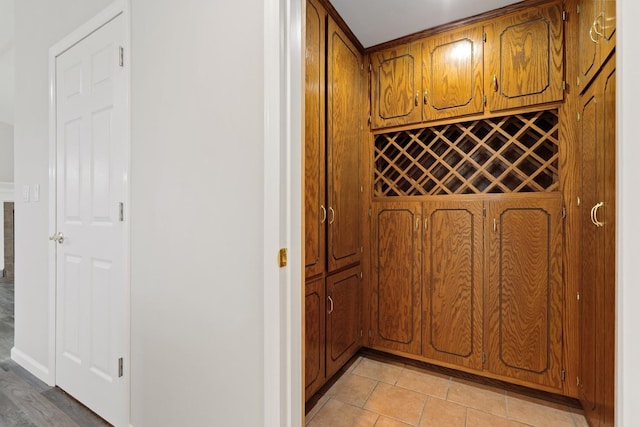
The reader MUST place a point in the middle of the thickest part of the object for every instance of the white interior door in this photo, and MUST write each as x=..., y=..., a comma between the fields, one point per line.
x=92, y=298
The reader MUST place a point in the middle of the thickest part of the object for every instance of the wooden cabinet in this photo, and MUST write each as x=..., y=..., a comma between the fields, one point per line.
x=524, y=58
x=598, y=230
x=395, y=305
x=452, y=299
x=457, y=280
x=596, y=37
x=396, y=86
x=343, y=317
x=314, y=337
x=524, y=292
x=344, y=119
x=314, y=148
x=452, y=73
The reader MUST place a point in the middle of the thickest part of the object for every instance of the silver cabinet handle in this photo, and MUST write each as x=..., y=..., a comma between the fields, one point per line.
x=333, y=215
x=58, y=237
x=324, y=214
x=330, y=304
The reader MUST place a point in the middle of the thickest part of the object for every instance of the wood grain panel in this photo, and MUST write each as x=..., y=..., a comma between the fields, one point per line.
x=588, y=54
x=344, y=76
x=396, y=86
x=314, y=190
x=452, y=298
x=525, y=54
x=452, y=74
x=396, y=280
x=314, y=337
x=524, y=289
x=343, y=318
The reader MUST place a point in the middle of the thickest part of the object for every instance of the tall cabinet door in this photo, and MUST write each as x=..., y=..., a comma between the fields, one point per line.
x=596, y=35
x=597, y=291
x=343, y=317
x=314, y=336
x=524, y=58
x=396, y=92
x=314, y=148
x=452, y=73
x=524, y=289
x=452, y=302
x=344, y=74
x=395, y=311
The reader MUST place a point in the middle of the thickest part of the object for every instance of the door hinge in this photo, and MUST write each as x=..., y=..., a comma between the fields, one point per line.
x=564, y=212
x=564, y=85
x=121, y=56
x=484, y=357
x=121, y=212
x=564, y=15
x=120, y=367
x=484, y=99
x=484, y=37
x=282, y=257
x=562, y=374
x=369, y=120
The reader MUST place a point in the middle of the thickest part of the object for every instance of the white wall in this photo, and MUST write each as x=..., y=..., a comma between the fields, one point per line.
x=628, y=345
x=197, y=228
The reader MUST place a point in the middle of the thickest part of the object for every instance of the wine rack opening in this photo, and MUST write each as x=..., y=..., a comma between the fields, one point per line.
x=510, y=154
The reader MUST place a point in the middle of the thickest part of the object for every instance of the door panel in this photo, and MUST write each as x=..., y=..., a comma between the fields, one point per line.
x=524, y=289
x=315, y=211
x=588, y=54
x=396, y=308
x=91, y=293
x=343, y=314
x=396, y=86
x=452, y=297
x=343, y=144
x=314, y=336
x=452, y=74
x=524, y=54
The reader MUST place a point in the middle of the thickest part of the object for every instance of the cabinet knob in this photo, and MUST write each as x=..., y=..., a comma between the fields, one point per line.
x=494, y=83
x=417, y=98
x=424, y=98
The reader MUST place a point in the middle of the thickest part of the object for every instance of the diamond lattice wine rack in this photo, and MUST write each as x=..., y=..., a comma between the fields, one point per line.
x=511, y=154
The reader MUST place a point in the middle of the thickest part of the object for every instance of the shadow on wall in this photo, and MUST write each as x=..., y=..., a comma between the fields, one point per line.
x=8, y=241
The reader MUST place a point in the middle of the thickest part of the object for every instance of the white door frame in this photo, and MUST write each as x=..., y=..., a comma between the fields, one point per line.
x=119, y=7
x=283, y=166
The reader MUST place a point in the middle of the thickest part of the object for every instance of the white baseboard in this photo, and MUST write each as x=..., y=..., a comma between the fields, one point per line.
x=30, y=364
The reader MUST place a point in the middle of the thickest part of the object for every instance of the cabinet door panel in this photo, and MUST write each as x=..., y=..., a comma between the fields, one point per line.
x=314, y=213
x=314, y=336
x=343, y=144
x=524, y=289
x=343, y=314
x=525, y=58
x=452, y=297
x=588, y=55
x=396, y=86
x=396, y=279
x=452, y=74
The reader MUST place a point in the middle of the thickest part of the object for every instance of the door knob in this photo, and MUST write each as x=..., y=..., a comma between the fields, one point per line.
x=58, y=237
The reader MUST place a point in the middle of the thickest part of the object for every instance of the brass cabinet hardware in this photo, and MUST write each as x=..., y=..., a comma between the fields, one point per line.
x=333, y=215
x=324, y=214
x=495, y=225
x=330, y=304
x=424, y=98
x=594, y=215
x=58, y=237
x=417, y=223
x=417, y=98
x=494, y=83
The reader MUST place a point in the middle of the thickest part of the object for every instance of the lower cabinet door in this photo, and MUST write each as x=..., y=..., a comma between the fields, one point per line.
x=452, y=302
x=314, y=345
x=343, y=317
x=523, y=295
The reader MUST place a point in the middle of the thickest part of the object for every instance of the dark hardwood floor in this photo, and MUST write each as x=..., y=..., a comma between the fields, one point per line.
x=25, y=401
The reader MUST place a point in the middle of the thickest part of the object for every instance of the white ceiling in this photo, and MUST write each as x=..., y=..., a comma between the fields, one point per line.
x=378, y=21
x=6, y=61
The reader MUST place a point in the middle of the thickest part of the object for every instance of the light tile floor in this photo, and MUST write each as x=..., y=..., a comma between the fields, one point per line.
x=391, y=394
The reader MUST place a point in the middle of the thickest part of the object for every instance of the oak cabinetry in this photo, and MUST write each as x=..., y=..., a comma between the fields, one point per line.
x=314, y=355
x=314, y=148
x=452, y=303
x=452, y=73
x=343, y=318
x=490, y=276
x=598, y=229
x=596, y=37
x=395, y=305
x=332, y=197
x=524, y=296
x=524, y=58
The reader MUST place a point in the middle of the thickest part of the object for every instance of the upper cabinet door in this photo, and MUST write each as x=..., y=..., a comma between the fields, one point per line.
x=314, y=147
x=596, y=35
x=396, y=86
x=524, y=58
x=524, y=289
x=452, y=74
x=344, y=123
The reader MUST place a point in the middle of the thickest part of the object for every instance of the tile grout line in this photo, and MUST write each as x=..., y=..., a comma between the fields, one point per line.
x=424, y=406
